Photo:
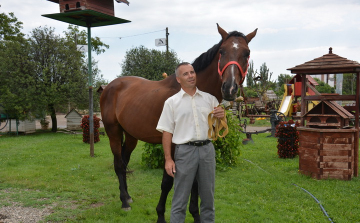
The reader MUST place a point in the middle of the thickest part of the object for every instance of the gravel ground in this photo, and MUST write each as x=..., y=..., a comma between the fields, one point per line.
x=17, y=214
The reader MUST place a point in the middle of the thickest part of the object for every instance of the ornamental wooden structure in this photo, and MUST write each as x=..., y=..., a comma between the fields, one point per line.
x=323, y=152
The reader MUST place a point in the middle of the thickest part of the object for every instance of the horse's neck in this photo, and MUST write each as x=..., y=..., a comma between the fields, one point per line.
x=208, y=80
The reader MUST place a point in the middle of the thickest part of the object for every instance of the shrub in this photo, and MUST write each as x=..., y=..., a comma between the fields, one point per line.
x=288, y=139
x=85, y=125
x=153, y=156
x=227, y=149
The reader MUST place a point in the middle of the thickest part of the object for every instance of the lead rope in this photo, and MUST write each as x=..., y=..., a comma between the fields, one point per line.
x=216, y=125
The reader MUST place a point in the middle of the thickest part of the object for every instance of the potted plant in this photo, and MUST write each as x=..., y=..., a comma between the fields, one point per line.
x=44, y=123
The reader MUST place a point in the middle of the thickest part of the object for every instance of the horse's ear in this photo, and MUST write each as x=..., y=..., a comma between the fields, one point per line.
x=251, y=35
x=222, y=32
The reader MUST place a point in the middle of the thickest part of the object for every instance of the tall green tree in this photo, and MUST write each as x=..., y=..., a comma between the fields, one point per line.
x=250, y=75
x=57, y=68
x=282, y=79
x=17, y=85
x=149, y=64
x=10, y=27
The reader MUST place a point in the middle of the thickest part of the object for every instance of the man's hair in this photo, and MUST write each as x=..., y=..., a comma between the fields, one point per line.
x=179, y=65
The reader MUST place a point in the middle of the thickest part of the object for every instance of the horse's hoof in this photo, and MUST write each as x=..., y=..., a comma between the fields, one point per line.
x=126, y=209
x=161, y=220
x=130, y=200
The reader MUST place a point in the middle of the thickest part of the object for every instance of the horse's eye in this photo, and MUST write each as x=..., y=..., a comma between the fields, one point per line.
x=221, y=52
x=247, y=54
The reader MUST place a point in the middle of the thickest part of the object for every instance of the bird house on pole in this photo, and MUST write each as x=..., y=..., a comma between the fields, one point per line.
x=103, y=6
x=88, y=13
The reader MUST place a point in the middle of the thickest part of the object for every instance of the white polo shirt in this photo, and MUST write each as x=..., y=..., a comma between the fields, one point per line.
x=186, y=117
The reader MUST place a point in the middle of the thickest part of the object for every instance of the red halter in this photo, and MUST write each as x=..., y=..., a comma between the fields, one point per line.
x=243, y=74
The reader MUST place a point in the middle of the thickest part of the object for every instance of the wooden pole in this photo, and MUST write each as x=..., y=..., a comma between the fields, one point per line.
x=167, y=39
x=356, y=142
x=303, y=93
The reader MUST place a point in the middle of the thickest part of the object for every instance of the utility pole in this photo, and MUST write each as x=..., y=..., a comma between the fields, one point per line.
x=167, y=40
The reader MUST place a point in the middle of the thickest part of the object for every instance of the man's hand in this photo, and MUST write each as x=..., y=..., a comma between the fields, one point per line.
x=219, y=112
x=170, y=167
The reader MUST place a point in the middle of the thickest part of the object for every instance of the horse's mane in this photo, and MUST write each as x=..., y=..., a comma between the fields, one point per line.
x=205, y=59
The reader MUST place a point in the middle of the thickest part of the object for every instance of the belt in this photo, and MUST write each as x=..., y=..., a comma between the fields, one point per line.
x=198, y=143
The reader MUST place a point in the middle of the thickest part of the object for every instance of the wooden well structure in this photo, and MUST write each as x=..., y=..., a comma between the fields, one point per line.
x=325, y=151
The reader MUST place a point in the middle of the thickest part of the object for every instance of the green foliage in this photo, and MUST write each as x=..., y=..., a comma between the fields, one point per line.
x=43, y=73
x=349, y=84
x=74, y=34
x=324, y=87
x=18, y=89
x=282, y=79
x=153, y=156
x=10, y=27
x=228, y=148
x=250, y=75
x=149, y=64
x=249, y=92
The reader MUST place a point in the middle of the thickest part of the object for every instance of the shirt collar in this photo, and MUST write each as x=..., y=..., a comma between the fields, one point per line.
x=182, y=92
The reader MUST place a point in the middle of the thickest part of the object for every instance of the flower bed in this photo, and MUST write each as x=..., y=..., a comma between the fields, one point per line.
x=85, y=125
x=288, y=139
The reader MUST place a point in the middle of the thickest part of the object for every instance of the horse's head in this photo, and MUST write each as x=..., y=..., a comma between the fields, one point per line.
x=234, y=55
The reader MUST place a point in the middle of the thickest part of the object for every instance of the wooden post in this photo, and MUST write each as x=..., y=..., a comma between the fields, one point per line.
x=356, y=149
x=303, y=102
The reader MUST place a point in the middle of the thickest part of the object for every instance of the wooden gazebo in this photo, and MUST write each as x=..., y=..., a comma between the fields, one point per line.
x=320, y=156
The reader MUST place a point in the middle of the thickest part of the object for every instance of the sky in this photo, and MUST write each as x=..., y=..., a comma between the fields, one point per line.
x=289, y=32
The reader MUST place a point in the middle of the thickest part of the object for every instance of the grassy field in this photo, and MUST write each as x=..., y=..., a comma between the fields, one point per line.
x=55, y=170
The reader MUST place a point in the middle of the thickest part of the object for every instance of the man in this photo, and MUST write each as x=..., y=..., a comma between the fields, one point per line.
x=184, y=122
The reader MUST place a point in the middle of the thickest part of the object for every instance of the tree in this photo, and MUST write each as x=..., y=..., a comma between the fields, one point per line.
x=282, y=79
x=324, y=87
x=349, y=84
x=10, y=27
x=17, y=85
x=250, y=75
x=57, y=69
x=261, y=81
x=149, y=64
x=73, y=34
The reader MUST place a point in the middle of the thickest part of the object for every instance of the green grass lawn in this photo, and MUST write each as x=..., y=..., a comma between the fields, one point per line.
x=55, y=170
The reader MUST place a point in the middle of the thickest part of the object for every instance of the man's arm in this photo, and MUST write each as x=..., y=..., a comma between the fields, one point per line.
x=169, y=162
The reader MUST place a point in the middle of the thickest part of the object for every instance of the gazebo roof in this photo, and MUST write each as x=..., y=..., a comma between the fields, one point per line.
x=327, y=64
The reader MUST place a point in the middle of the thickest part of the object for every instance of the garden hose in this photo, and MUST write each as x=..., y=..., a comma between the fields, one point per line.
x=317, y=201
x=216, y=125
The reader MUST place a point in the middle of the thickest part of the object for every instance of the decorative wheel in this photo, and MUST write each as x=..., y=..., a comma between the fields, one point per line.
x=279, y=116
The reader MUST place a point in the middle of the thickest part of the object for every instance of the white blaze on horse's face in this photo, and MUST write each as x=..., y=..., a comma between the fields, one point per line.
x=235, y=45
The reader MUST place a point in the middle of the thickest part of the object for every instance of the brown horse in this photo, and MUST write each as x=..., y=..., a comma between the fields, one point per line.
x=131, y=106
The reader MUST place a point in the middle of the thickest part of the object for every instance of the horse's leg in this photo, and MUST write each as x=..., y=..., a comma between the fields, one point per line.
x=166, y=185
x=115, y=134
x=128, y=147
x=194, y=202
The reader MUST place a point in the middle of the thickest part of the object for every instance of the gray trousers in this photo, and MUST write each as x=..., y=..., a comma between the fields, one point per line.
x=191, y=162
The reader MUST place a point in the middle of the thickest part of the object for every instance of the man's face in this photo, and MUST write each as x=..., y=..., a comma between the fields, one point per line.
x=186, y=76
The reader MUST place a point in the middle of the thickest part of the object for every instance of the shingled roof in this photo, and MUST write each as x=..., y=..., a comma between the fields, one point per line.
x=327, y=64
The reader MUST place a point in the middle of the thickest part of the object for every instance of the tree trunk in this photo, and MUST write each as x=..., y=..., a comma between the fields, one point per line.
x=53, y=118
